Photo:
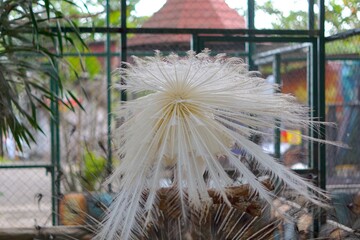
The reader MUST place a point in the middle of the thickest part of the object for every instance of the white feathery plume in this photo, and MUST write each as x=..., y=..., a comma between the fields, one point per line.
x=196, y=109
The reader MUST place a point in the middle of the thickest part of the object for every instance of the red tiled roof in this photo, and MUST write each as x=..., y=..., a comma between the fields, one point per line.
x=189, y=14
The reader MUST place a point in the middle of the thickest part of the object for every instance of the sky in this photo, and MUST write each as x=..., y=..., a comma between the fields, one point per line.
x=148, y=7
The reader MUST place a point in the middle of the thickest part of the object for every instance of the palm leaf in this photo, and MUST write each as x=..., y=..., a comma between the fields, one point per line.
x=26, y=33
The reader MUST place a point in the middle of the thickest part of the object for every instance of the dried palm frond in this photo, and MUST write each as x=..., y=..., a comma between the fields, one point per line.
x=244, y=219
x=197, y=108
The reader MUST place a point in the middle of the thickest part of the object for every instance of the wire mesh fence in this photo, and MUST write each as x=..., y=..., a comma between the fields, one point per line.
x=294, y=71
x=25, y=198
x=342, y=102
x=26, y=194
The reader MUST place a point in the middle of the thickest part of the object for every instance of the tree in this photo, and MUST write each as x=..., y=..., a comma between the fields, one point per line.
x=29, y=53
x=340, y=15
x=93, y=13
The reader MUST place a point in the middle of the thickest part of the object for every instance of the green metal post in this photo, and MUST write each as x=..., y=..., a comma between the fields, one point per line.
x=1, y=143
x=277, y=77
x=318, y=105
x=123, y=40
x=321, y=92
x=195, y=43
x=108, y=88
x=321, y=102
x=313, y=100
x=309, y=79
x=53, y=161
x=55, y=149
x=124, y=31
x=311, y=15
x=310, y=69
x=57, y=155
x=250, y=47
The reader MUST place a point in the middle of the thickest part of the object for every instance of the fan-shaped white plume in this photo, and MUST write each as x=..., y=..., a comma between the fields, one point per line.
x=196, y=109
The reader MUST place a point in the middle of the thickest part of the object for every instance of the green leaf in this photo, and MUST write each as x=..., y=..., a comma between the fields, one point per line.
x=26, y=44
x=76, y=100
x=47, y=7
x=34, y=22
x=59, y=36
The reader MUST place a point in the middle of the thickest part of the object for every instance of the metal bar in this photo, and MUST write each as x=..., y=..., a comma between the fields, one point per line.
x=319, y=110
x=251, y=14
x=201, y=44
x=89, y=54
x=310, y=73
x=257, y=39
x=267, y=60
x=321, y=93
x=343, y=35
x=55, y=154
x=123, y=41
x=1, y=142
x=250, y=46
x=125, y=30
x=223, y=31
x=262, y=32
x=194, y=45
x=47, y=166
x=144, y=53
x=353, y=57
x=313, y=103
x=277, y=77
x=263, y=61
x=282, y=50
x=353, y=104
x=52, y=156
x=112, y=54
x=108, y=91
x=305, y=171
x=57, y=165
x=309, y=80
x=311, y=15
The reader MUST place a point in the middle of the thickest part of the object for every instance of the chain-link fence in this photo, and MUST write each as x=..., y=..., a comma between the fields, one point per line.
x=293, y=79
x=25, y=197
x=342, y=102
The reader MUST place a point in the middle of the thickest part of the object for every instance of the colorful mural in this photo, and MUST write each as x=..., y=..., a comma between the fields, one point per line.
x=349, y=129
x=342, y=92
x=294, y=82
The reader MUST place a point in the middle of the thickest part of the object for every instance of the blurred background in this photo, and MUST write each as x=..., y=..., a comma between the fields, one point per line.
x=313, y=56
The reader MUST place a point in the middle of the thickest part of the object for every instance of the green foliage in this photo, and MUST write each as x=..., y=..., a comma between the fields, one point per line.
x=97, y=16
x=93, y=66
x=344, y=46
x=90, y=65
x=93, y=170
x=342, y=15
x=294, y=19
x=29, y=53
x=339, y=15
x=4, y=160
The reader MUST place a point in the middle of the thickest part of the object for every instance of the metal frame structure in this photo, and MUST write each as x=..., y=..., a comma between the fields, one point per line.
x=311, y=38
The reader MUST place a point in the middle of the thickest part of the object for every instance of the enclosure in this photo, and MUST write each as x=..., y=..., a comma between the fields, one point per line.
x=306, y=47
